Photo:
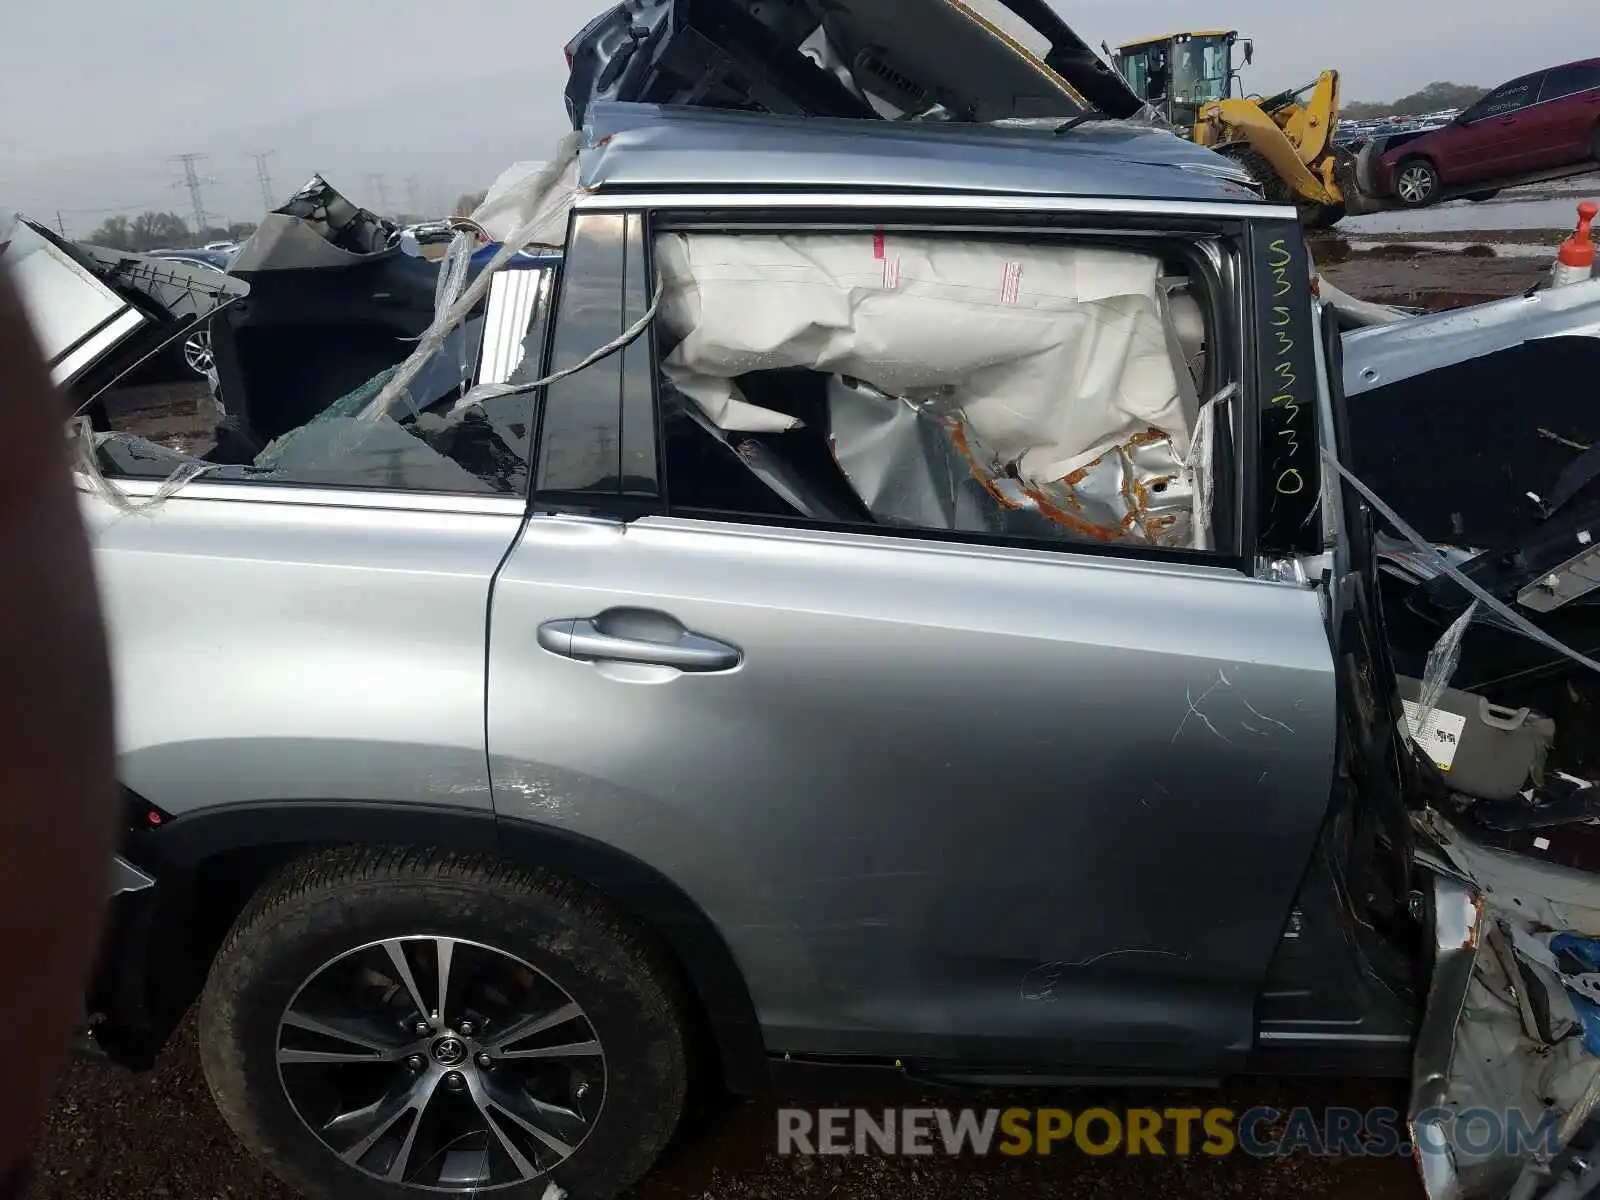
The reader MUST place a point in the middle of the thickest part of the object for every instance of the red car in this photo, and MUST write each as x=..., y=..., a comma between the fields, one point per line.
x=1537, y=127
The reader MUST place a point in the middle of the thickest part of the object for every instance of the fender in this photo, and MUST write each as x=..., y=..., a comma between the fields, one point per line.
x=175, y=850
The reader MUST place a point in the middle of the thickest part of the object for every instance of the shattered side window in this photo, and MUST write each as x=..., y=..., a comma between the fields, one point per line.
x=1008, y=388
x=425, y=441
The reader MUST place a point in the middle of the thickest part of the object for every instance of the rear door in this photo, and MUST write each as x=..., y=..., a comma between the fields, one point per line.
x=1498, y=140
x=945, y=799
x=316, y=631
x=1568, y=116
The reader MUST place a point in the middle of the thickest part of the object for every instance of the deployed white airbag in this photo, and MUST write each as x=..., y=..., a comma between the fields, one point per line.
x=1058, y=367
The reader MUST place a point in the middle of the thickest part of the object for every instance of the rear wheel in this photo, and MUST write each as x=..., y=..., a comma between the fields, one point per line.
x=1416, y=183
x=382, y=1025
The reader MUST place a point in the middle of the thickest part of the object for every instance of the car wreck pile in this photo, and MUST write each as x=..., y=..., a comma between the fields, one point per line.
x=1069, y=383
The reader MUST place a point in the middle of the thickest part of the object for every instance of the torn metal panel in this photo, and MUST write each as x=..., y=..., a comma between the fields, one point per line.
x=1458, y=933
x=977, y=61
x=920, y=465
x=1394, y=352
x=1511, y=1023
x=1547, y=895
x=316, y=227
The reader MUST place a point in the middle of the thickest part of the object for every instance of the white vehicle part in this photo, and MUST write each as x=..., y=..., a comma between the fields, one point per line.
x=516, y=202
x=1380, y=355
x=76, y=317
x=1058, y=372
x=1501, y=1033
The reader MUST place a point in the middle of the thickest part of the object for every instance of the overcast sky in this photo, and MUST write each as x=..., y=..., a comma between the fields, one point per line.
x=97, y=95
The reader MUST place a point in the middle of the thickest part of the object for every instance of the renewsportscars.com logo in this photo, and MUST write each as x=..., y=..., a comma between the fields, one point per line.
x=1261, y=1132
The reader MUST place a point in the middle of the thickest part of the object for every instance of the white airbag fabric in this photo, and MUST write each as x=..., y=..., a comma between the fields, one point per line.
x=1052, y=354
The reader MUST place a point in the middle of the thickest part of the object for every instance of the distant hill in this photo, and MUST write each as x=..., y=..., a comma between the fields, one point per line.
x=1434, y=97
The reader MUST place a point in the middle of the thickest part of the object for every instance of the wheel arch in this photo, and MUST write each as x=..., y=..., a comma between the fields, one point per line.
x=209, y=862
x=1407, y=156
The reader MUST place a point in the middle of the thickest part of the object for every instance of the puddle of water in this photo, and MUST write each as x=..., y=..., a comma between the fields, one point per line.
x=1501, y=249
x=1547, y=213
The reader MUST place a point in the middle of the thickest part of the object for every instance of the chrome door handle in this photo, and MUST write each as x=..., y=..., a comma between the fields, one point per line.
x=583, y=638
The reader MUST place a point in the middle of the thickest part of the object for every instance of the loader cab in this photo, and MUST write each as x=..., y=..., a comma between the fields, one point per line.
x=1182, y=72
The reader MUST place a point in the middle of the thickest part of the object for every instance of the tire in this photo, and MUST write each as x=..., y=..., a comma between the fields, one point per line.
x=523, y=945
x=1416, y=183
x=198, y=356
x=1312, y=216
x=1272, y=184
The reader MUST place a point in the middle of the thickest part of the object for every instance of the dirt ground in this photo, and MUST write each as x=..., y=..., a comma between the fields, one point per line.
x=113, y=1136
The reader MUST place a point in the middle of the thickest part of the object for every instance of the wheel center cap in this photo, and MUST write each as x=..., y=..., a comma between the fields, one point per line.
x=448, y=1051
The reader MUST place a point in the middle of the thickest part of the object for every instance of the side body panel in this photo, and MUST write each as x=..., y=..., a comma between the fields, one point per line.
x=956, y=801
x=1572, y=96
x=300, y=651
x=968, y=803
x=1507, y=139
x=1547, y=133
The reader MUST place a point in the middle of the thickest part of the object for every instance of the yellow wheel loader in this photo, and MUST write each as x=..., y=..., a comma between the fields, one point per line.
x=1285, y=141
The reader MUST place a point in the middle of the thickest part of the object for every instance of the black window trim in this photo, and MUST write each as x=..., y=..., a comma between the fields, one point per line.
x=1534, y=79
x=1226, y=318
x=1591, y=71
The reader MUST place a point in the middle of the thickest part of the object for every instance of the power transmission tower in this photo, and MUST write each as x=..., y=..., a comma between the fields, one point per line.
x=375, y=182
x=264, y=178
x=193, y=181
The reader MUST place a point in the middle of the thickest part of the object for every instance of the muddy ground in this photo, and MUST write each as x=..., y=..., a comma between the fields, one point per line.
x=112, y=1136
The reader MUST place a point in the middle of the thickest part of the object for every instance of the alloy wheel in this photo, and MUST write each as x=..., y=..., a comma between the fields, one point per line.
x=441, y=1064
x=1415, y=184
x=197, y=353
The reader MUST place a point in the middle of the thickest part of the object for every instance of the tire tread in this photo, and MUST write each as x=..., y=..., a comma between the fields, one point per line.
x=642, y=955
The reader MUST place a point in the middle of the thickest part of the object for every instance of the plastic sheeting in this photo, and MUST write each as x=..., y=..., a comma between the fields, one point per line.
x=527, y=205
x=505, y=205
x=1052, y=377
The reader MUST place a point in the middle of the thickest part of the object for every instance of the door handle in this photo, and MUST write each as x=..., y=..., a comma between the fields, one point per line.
x=586, y=639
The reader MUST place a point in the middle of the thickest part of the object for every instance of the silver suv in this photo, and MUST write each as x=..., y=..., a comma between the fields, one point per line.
x=940, y=646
